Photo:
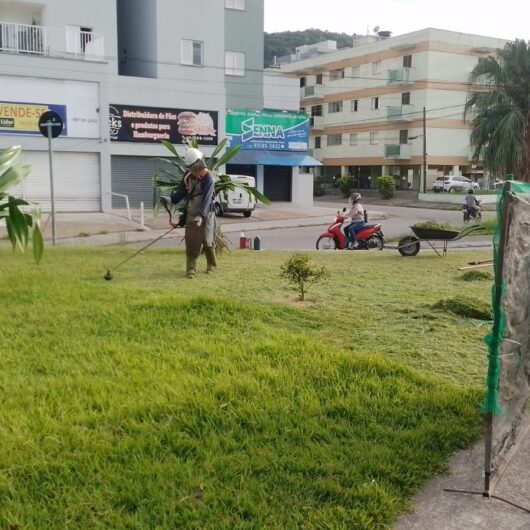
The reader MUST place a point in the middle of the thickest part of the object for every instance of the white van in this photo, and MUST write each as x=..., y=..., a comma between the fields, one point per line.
x=237, y=200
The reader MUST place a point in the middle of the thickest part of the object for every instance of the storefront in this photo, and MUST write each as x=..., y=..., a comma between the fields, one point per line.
x=274, y=151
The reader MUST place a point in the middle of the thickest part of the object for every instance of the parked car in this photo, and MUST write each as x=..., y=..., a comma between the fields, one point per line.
x=237, y=200
x=451, y=184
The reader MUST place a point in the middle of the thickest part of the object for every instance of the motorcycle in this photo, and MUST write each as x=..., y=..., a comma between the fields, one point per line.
x=471, y=213
x=370, y=237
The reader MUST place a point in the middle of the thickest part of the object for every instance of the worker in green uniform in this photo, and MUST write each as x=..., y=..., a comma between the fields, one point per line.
x=198, y=191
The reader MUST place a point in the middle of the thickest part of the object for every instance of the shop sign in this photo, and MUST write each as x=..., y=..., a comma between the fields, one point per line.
x=152, y=124
x=23, y=118
x=267, y=130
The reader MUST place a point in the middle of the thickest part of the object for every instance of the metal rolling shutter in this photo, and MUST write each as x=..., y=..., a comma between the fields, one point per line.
x=277, y=182
x=76, y=180
x=133, y=176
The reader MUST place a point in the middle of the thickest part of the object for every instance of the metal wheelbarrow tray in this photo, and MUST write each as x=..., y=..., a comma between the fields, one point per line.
x=410, y=245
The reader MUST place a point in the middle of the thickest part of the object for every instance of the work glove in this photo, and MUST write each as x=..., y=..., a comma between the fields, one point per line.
x=197, y=221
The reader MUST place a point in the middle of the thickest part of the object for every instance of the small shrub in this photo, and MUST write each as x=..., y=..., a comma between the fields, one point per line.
x=299, y=270
x=346, y=183
x=385, y=186
x=467, y=307
x=318, y=186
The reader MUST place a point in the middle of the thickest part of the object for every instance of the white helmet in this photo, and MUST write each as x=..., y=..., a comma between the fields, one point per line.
x=193, y=156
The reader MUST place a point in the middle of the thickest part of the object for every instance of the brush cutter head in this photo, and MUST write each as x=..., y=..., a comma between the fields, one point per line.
x=108, y=275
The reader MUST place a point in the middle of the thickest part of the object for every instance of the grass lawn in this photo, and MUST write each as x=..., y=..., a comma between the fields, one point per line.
x=153, y=401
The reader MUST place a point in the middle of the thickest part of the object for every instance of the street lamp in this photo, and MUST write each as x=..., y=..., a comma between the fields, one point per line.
x=423, y=180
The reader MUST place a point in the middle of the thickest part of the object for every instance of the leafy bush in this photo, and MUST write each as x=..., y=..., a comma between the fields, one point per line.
x=385, y=186
x=346, y=183
x=318, y=186
x=299, y=270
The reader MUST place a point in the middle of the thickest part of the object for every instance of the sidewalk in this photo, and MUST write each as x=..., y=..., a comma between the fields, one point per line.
x=99, y=229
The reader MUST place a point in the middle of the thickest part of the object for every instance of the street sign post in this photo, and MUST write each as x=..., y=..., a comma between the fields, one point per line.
x=51, y=126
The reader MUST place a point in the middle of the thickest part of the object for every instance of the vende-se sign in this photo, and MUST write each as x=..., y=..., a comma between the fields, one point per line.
x=152, y=124
x=23, y=118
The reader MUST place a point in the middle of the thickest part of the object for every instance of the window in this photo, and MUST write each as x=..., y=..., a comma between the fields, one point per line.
x=302, y=82
x=334, y=139
x=191, y=52
x=405, y=98
x=354, y=138
x=407, y=61
x=376, y=67
x=404, y=136
x=336, y=74
x=374, y=138
x=235, y=4
x=316, y=110
x=375, y=103
x=354, y=105
x=319, y=79
x=356, y=71
x=235, y=63
x=334, y=106
x=318, y=142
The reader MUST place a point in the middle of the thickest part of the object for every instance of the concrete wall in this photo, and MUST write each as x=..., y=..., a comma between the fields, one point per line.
x=244, y=33
x=281, y=92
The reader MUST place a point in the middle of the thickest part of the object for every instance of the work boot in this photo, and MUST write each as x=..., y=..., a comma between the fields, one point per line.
x=210, y=269
x=190, y=273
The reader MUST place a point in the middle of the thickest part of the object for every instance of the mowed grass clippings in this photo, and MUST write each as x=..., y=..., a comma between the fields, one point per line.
x=152, y=401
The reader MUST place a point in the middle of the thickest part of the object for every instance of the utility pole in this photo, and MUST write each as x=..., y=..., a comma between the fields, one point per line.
x=424, y=187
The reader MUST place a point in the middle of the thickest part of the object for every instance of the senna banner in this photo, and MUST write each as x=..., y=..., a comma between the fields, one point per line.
x=129, y=123
x=23, y=118
x=267, y=130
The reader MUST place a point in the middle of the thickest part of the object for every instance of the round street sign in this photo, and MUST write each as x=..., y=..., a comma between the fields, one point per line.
x=52, y=120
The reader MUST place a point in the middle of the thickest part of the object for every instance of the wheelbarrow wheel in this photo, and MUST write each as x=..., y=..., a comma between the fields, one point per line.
x=409, y=246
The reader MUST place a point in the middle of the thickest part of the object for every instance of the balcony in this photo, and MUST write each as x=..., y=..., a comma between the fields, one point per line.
x=401, y=113
x=398, y=151
x=316, y=122
x=400, y=76
x=314, y=91
x=51, y=42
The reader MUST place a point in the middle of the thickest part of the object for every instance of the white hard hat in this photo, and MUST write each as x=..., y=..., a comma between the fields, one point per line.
x=192, y=156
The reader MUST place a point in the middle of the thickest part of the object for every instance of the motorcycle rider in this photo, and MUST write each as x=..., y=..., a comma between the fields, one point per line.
x=356, y=214
x=472, y=203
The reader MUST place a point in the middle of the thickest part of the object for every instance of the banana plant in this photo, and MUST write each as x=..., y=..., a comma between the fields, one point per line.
x=14, y=211
x=170, y=177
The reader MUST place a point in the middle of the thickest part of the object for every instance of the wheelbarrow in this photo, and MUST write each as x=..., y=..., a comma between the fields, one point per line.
x=410, y=245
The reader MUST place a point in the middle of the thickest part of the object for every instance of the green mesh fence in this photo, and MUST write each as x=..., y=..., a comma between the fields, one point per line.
x=508, y=379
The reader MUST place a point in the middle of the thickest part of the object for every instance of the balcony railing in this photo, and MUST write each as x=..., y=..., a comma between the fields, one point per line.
x=313, y=91
x=399, y=151
x=316, y=122
x=401, y=113
x=400, y=76
x=50, y=42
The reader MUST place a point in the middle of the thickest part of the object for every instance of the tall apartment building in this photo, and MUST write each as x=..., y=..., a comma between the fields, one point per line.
x=125, y=74
x=366, y=105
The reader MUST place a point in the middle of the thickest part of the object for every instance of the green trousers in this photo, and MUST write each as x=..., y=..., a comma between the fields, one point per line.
x=194, y=237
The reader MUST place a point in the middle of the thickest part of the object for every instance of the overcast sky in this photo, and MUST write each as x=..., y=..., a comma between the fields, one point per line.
x=507, y=19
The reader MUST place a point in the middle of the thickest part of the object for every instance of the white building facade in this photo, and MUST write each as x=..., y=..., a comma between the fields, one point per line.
x=124, y=74
x=367, y=105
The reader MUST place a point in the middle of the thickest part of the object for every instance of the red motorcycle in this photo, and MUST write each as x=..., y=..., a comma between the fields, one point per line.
x=370, y=237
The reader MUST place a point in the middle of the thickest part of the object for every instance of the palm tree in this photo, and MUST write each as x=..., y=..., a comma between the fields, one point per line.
x=500, y=105
x=170, y=177
x=13, y=211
